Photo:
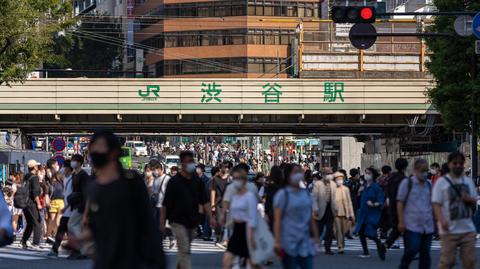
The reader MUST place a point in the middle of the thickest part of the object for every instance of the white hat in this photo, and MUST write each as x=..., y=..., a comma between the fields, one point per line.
x=32, y=163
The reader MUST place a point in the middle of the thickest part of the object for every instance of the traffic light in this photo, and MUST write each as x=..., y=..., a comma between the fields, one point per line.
x=342, y=14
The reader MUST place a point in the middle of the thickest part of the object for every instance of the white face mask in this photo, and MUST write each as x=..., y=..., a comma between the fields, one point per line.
x=368, y=178
x=296, y=178
x=74, y=164
x=191, y=167
x=433, y=171
x=339, y=182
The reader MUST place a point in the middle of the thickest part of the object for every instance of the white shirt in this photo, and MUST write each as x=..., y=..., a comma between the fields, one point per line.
x=457, y=213
x=67, y=190
x=230, y=191
x=243, y=208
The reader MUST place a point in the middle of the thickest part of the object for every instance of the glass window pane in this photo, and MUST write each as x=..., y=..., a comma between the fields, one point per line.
x=268, y=11
x=259, y=10
x=255, y=68
x=251, y=10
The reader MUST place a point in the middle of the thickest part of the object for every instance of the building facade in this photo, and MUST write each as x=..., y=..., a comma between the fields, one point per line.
x=230, y=38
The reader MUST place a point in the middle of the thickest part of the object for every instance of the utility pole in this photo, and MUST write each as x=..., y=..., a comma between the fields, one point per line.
x=474, y=141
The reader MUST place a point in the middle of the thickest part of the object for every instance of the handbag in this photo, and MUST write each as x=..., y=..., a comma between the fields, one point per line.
x=264, y=242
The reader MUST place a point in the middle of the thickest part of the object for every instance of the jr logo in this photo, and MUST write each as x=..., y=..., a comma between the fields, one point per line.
x=146, y=94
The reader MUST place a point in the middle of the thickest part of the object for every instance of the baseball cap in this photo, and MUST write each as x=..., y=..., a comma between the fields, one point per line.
x=32, y=163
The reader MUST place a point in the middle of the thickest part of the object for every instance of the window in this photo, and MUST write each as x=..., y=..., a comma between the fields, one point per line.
x=291, y=11
x=301, y=10
x=268, y=9
x=239, y=10
x=205, y=66
x=259, y=10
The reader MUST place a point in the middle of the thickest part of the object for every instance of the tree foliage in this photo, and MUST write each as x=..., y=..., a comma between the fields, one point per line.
x=94, y=44
x=451, y=65
x=27, y=28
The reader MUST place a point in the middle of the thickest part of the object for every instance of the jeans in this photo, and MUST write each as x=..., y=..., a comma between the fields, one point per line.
x=206, y=229
x=416, y=243
x=291, y=262
x=476, y=219
x=32, y=216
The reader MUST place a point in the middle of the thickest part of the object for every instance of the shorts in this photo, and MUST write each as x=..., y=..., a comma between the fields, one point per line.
x=56, y=206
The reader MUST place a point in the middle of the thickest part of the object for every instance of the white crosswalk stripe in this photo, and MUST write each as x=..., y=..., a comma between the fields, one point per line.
x=355, y=245
x=16, y=252
x=199, y=246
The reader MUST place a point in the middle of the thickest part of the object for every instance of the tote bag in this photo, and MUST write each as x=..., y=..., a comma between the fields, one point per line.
x=264, y=242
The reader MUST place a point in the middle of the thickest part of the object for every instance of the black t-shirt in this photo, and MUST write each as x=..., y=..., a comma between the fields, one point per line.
x=57, y=190
x=123, y=227
x=33, y=185
x=182, y=199
x=270, y=191
x=392, y=190
x=218, y=185
x=80, y=184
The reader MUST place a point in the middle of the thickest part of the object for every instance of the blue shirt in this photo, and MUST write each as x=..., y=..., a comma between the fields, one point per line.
x=296, y=209
x=418, y=212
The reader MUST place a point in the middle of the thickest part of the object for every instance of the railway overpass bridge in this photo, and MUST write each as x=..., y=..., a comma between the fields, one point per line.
x=250, y=106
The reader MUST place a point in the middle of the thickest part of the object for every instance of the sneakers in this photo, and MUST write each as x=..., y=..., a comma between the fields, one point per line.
x=364, y=256
x=35, y=248
x=222, y=245
x=50, y=240
x=329, y=252
x=207, y=239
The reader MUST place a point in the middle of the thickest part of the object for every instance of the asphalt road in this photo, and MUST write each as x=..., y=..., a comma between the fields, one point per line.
x=208, y=256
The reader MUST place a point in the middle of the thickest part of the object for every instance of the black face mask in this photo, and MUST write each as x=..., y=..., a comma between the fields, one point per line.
x=99, y=159
x=458, y=171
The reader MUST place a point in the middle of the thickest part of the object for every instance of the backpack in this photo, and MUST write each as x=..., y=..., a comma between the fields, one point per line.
x=21, y=199
x=409, y=189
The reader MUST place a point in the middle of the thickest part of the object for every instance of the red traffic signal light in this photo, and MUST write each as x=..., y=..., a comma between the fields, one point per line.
x=343, y=14
x=367, y=13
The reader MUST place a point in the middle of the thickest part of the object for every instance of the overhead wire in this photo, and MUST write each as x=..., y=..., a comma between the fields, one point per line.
x=153, y=50
x=180, y=56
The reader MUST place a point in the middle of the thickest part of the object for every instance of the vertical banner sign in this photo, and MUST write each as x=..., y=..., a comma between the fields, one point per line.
x=130, y=20
x=130, y=6
x=139, y=61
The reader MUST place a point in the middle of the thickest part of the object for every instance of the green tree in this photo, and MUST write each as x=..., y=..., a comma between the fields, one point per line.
x=26, y=31
x=94, y=44
x=451, y=65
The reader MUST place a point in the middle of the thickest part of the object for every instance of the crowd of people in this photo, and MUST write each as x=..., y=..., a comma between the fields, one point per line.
x=120, y=218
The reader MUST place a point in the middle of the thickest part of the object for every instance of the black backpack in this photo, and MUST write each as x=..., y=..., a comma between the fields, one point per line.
x=21, y=199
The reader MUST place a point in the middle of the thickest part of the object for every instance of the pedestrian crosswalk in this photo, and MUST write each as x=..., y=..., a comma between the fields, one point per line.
x=199, y=246
x=16, y=252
